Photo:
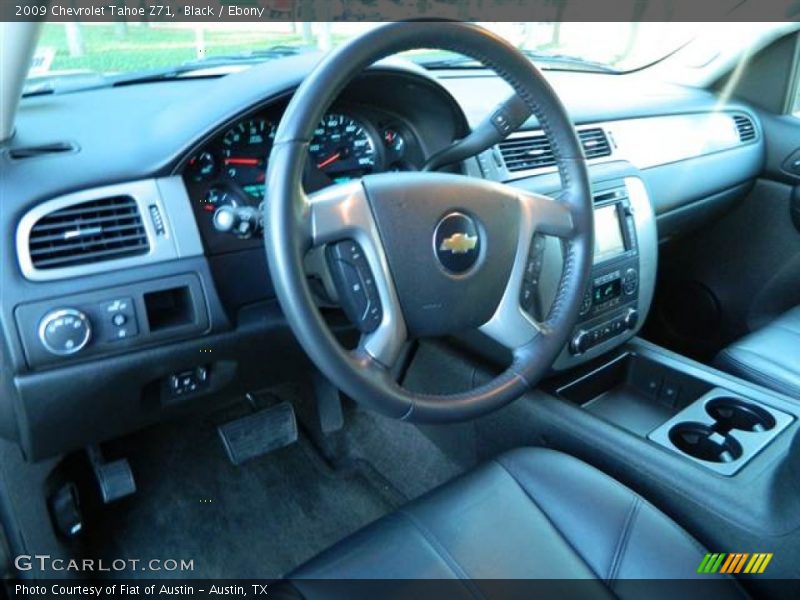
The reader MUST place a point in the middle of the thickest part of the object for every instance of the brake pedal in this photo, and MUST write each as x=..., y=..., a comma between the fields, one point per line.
x=259, y=433
x=115, y=478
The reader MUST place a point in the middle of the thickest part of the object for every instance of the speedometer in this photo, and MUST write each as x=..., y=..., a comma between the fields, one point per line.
x=342, y=148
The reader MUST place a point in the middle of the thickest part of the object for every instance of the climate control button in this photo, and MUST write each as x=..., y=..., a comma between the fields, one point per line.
x=65, y=331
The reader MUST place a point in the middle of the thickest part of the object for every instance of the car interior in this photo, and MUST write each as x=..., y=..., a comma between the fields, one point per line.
x=339, y=315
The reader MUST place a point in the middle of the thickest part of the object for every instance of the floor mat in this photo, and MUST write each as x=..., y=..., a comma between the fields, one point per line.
x=258, y=520
x=400, y=452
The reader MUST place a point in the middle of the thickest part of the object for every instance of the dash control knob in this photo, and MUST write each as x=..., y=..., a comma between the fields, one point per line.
x=242, y=221
x=580, y=342
x=630, y=281
x=631, y=318
x=65, y=331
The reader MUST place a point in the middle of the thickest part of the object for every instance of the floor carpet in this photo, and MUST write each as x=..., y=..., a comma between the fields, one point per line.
x=258, y=520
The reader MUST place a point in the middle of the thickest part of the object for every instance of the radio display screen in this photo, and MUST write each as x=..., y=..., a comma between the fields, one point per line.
x=606, y=291
x=608, y=241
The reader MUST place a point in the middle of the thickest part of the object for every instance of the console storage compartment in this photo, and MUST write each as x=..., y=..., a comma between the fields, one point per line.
x=679, y=411
x=633, y=392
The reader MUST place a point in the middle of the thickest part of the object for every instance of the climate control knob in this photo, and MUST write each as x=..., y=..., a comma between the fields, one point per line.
x=65, y=331
x=631, y=318
x=630, y=281
x=580, y=342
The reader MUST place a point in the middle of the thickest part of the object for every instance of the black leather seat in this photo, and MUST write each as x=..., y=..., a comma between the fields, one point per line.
x=530, y=514
x=769, y=356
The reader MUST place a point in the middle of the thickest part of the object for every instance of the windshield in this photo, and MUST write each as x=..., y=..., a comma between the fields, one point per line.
x=76, y=49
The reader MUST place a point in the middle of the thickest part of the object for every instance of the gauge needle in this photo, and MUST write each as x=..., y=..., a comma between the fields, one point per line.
x=330, y=160
x=243, y=161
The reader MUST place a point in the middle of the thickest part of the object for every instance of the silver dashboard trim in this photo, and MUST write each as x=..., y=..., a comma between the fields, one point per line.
x=342, y=211
x=510, y=325
x=180, y=238
x=647, y=241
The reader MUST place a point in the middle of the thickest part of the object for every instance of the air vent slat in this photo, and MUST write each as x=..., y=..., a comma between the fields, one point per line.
x=82, y=234
x=594, y=142
x=83, y=245
x=98, y=211
x=72, y=261
x=81, y=222
x=88, y=232
x=534, y=151
x=42, y=150
x=745, y=128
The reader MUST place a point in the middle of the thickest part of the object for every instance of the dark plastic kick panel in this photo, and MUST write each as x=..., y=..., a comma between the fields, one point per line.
x=161, y=310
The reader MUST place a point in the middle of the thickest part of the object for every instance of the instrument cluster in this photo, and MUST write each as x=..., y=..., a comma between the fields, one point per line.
x=226, y=177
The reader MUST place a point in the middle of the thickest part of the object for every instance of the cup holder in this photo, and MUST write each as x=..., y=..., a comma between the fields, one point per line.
x=721, y=431
x=732, y=413
x=703, y=442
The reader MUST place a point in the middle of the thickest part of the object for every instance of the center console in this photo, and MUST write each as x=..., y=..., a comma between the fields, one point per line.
x=620, y=289
x=610, y=304
x=706, y=422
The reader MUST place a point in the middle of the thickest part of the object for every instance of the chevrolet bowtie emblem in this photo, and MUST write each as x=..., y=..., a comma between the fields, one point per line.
x=459, y=243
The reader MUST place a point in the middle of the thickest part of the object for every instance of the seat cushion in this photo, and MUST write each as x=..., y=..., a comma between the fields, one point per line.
x=531, y=513
x=769, y=356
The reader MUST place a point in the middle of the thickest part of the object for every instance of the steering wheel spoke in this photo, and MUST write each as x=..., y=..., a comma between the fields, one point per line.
x=513, y=324
x=342, y=213
x=545, y=215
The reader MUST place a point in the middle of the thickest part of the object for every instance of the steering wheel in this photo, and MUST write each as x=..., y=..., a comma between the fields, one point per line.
x=430, y=253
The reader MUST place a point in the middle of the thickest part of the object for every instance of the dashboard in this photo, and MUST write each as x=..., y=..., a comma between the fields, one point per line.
x=172, y=294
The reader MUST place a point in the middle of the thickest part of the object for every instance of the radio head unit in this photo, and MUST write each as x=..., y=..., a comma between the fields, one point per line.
x=609, y=305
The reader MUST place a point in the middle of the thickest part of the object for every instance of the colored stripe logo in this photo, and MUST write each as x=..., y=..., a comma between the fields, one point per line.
x=737, y=562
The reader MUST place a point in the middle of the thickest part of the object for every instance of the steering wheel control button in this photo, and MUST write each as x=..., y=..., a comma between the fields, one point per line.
x=457, y=242
x=528, y=296
x=121, y=318
x=355, y=285
x=65, y=331
x=533, y=268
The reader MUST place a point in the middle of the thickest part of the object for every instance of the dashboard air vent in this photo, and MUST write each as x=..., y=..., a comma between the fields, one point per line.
x=88, y=232
x=524, y=153
x=534, y=151
x=43, y=150
x=594, y=142
x=745, y=127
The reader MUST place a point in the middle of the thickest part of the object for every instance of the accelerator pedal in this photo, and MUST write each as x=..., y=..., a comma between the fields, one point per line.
x=114, y=478
x=259, y=433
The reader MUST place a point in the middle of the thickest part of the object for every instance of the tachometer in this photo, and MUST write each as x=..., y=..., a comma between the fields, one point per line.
x=245, y=148
x=343, y=148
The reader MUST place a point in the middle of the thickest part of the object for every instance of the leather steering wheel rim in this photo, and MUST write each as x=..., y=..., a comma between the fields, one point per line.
x=293, y=222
